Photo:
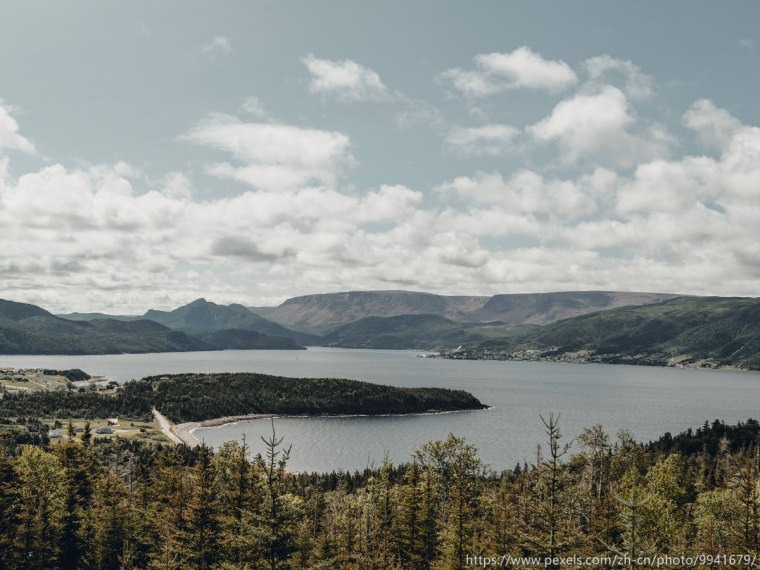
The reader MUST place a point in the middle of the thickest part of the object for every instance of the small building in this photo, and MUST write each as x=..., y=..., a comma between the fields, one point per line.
x=55, y=434
x=104, y=430
x=113, y=421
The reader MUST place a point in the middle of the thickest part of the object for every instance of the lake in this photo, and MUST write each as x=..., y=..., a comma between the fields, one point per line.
x=648, y=401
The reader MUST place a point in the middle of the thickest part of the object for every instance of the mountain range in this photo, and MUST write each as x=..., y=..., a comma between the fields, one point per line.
x=604, y=326
x=317, y=312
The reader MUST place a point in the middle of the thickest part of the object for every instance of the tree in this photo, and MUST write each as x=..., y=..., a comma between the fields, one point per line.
x=40, y=495
x=237, y=488
x=203, y=518
x=79, y=472
x=457, y=470
x=553, y=483
x=276, y=524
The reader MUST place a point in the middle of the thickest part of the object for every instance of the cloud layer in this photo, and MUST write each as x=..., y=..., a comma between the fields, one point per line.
x=602, y=198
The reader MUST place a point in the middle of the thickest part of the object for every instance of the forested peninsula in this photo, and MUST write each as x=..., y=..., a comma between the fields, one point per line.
x=198, y=397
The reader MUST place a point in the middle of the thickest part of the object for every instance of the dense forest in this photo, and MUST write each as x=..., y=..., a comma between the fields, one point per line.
x=197, y=397
x=684, y=501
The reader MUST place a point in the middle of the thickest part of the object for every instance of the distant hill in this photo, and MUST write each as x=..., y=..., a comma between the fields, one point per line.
x=404, y=331
x=686, y=331
x=94, y=316
x=28, y=329
x=201, y=316
x=545, y=308
x=241, y=339
x=315, y=312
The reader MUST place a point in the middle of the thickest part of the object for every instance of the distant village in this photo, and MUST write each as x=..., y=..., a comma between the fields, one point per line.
x=32, y=379
x=27, y=380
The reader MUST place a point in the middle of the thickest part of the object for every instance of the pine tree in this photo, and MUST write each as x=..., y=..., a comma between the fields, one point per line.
x=107, y=521
x=551, y=477
x=79, y=472
x=40, y=501
x=237, y=488
x=410, y=521
x=276, y=525
x=203, y=519
x=8, y=522
x=457, y=468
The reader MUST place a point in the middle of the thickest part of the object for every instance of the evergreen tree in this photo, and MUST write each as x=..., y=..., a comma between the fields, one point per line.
x=8, y=522
x=79, y=472
x=203, y=518
x=40, y=502
x=276, y=525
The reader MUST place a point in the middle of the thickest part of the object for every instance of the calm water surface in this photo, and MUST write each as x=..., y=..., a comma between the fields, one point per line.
x=647, y=401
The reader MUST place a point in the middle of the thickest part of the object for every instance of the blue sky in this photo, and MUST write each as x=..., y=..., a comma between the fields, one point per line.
x=155, y=152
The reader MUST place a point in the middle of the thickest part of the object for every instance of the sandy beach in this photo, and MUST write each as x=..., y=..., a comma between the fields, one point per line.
x=182, y=433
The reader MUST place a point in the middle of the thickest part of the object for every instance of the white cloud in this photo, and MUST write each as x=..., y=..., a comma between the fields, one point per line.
x=346, y=80
x=747, y=43
x=597, y=127
x=526, y=192
x=10, y=138
x=636, y=84
x=498, y=72
x=107, y=237
x=217, y=47
x=274, y=156
x=486, y=140
x=715, y=127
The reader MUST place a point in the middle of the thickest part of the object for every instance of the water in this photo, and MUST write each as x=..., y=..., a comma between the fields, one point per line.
x=647, y=401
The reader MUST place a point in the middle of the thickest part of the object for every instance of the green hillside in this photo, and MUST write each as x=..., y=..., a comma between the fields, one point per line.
x=43, y=333
x=27, y=329
x=403, y=331
x=688, y=331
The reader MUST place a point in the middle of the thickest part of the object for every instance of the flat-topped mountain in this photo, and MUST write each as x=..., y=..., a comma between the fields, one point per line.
x=312, y=311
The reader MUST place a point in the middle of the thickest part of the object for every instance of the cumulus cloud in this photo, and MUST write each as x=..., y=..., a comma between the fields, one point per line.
x=526, y=192
x=107, y=236
x=346, y=80
x=10, y=138
x=715, y=127
x=597, y=127
x=486, y=140
x=520, y=69
x=273, y=156
x=636, y=84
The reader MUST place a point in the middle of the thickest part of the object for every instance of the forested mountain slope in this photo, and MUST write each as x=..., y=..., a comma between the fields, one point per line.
x=695, y=331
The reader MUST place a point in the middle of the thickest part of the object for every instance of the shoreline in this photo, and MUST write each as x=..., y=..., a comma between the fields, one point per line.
x=184, y=431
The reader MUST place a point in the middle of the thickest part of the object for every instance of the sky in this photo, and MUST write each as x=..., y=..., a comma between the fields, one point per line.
x=250, y=151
